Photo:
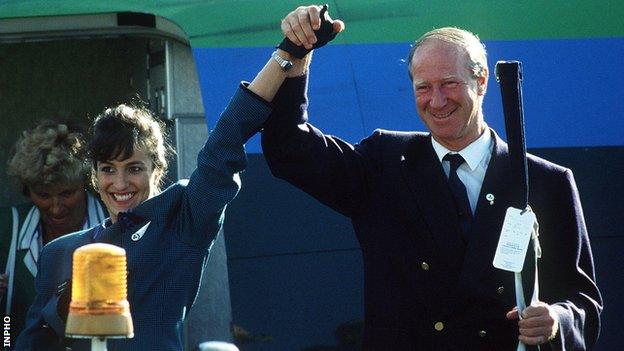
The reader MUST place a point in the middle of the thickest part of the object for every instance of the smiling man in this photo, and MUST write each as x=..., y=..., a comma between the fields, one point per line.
x=449, y=87
x=422, y=206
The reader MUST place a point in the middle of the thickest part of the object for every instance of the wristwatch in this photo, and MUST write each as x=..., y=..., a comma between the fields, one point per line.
x=284, y=63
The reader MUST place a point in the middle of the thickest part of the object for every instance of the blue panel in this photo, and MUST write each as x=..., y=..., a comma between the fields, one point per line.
x=381, y=82
x=573, y=95
x=572, y=90
x=221, y=70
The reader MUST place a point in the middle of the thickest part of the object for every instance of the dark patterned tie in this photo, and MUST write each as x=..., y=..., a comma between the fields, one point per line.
x=459, y=192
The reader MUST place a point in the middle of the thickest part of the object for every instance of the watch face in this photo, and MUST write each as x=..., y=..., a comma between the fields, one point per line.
x=284, y=64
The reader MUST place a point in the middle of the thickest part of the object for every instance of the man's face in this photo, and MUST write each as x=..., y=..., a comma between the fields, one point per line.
x=448, y=97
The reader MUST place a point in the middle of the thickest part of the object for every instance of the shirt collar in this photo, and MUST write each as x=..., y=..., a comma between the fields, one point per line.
x=473, y=153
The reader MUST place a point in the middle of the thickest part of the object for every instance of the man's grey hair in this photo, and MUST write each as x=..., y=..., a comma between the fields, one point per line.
x=475, y=50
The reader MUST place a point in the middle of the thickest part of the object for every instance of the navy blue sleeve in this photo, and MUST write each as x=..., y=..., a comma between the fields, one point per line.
x=43, y=325
x=326, y=167
x=216, y=181
x=571, y=279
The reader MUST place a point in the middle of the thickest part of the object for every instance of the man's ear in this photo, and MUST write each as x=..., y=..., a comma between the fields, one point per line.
x=482, y=82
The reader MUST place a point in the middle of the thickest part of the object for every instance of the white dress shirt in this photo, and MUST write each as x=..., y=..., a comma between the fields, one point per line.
x=471, y=172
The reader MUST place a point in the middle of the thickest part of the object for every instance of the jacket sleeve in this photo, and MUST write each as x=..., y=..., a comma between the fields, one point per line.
x=568, y=279
x=329, y=169
x=44, y=328
x=216, y=180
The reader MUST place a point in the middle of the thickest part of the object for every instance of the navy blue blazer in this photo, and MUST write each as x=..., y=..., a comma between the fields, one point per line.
x=165, y=264
x=424, y=287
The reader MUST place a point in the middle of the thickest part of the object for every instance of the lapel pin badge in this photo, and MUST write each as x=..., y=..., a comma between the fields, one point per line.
x=490, y=198
x=139, y=234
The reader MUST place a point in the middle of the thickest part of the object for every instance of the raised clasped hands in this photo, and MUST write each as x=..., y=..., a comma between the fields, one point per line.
x=300, y=24
x=539, y=323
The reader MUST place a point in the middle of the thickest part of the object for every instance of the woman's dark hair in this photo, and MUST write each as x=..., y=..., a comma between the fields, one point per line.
x=119, y=131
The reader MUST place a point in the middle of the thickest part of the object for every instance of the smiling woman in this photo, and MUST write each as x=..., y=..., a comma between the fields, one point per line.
x=178, y=226
x=125, y=183
x=129, y=157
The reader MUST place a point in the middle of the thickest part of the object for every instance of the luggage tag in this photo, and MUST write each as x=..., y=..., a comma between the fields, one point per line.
x=514, y=239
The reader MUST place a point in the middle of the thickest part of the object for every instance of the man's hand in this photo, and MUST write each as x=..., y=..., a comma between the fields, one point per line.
x=300, y=24
x=304, y=29
x=539, y=323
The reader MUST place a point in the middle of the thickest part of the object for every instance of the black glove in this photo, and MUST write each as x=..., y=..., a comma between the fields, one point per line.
x=324, y=35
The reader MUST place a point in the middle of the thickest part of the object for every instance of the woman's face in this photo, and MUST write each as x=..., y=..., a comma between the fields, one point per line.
x=123, y=185
x=62, y=207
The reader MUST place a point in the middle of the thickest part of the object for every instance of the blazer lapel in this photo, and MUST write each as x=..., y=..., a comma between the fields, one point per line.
x=427, y=182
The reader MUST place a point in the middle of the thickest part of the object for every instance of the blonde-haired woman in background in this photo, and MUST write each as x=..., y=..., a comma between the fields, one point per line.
x=50, y=164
